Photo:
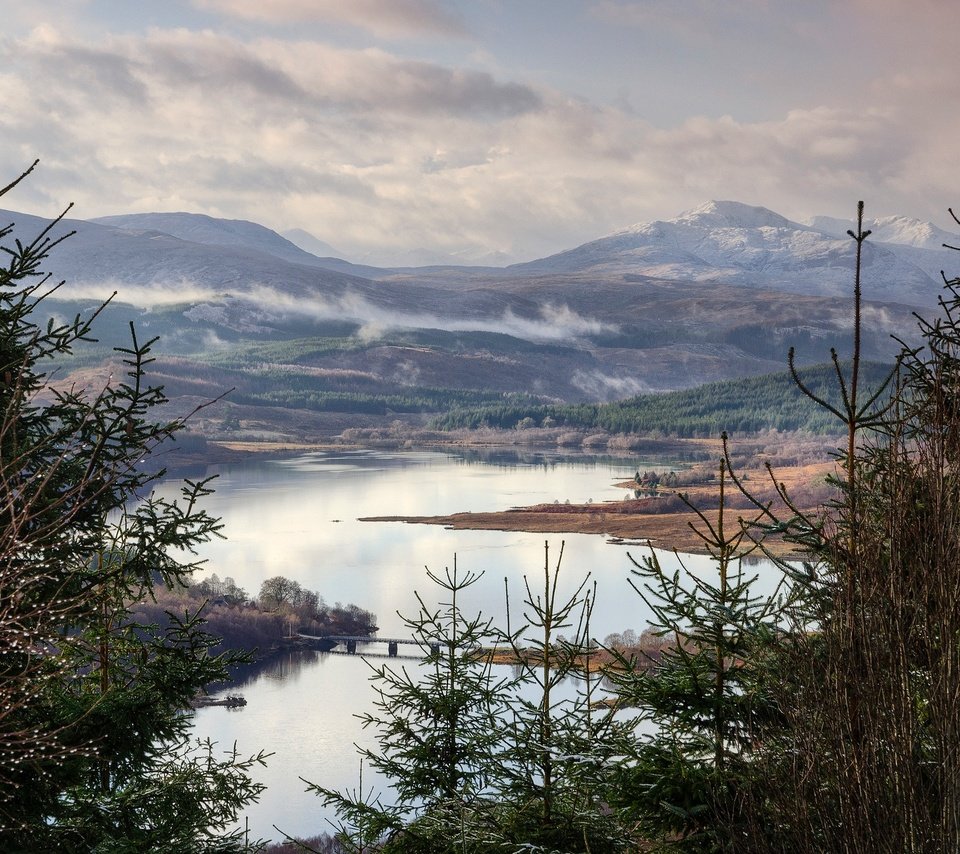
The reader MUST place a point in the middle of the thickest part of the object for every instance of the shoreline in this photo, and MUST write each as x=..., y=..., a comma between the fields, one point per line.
x=666, y=531
x=651, y=522
x=639, y=522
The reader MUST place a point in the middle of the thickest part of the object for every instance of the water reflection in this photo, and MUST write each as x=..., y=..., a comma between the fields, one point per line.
x=299, y=517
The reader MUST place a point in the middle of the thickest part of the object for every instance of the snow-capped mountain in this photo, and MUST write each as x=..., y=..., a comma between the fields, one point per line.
x=919, y=243
x=737, y=244
x=901, y=230
x=718, y=292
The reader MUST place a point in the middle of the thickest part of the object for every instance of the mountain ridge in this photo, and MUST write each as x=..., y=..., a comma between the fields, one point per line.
x=719, y=292
x=733, y=243
x=720, y=241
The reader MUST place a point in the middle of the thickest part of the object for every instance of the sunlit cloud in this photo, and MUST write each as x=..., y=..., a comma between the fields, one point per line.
x=388, y=18
x=379, y=151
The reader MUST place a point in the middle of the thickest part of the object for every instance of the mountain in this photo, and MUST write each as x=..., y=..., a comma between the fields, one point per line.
x=900, y=230
x=313, y=346
x=236, y=234
x=734, y=243
x=306, y=241
x=914, y=241
x=147, y=265
x=199, y=228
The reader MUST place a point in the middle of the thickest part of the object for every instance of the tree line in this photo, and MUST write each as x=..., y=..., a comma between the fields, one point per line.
x=255, y=624
x=749, y=405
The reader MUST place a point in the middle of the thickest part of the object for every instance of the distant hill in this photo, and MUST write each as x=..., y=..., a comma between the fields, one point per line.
x=306, y=241
x=199, y=228
x=718, y=293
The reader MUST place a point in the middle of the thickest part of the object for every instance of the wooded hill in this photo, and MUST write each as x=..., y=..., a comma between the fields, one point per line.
x=750, y=405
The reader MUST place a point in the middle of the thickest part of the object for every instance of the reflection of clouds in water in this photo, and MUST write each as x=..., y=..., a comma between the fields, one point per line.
x=358, y=461
x=279, y=516
x=305, y=715
x=317, y=466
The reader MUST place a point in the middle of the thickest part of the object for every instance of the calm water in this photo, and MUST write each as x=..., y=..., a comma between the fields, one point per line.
x=299, y=518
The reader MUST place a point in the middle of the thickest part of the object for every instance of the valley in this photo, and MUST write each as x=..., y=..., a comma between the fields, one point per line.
x=317, y=349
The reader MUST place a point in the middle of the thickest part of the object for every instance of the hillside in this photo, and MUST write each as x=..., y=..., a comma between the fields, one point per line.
x=313, y=346
x=750, y=405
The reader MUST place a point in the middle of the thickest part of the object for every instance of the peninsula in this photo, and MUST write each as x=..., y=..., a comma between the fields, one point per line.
x=662, y=518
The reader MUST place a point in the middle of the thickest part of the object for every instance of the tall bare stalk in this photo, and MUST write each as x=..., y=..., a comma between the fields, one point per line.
x=868, y=674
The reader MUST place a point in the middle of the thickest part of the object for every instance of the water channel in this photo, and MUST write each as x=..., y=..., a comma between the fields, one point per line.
x=298, y=517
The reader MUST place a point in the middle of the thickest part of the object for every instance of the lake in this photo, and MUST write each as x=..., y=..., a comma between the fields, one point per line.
x=298, y=517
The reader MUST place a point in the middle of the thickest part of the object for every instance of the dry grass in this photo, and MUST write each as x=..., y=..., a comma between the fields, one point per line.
x=664, y=521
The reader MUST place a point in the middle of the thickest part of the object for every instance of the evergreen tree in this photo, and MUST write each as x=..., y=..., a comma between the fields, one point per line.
x=94, y=754
x=484, y=764
x=705, y=701
x=438, y=735
x=559, y=743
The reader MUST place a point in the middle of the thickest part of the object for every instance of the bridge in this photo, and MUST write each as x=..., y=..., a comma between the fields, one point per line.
x=328, y=642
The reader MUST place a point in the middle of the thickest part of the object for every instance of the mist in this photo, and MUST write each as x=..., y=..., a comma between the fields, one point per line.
x=554, y=322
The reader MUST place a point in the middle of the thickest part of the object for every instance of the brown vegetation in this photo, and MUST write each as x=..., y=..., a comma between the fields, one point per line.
x=617, y=652
x=664, y=519
x=242, y=624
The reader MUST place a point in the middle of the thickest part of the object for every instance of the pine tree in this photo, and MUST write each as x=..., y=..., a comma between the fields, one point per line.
x=93, y=740
x=481, y=763
x=559, y=741
x=704, y=702
x=438, y=735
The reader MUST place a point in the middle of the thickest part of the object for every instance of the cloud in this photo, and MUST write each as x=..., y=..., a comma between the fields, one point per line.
x=554, y=322
x=154, y=295
x=406, y=374
x=176, y=68
x=606, y=387
x=377, y=152
x=386, y=18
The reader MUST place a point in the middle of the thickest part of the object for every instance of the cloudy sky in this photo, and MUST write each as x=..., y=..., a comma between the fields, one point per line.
x=514, y=126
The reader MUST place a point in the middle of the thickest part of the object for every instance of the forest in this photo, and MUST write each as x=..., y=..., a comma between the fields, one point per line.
x=744, y=406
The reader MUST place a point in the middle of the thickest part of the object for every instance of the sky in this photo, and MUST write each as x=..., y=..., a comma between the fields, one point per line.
x=487, y=129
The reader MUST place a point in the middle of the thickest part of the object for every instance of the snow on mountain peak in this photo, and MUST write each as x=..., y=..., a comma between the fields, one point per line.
x=909, y=232
x=902, y=230
x=726, y=214
x=744, y=245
